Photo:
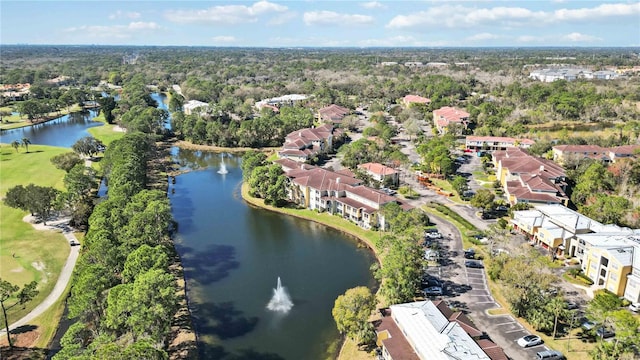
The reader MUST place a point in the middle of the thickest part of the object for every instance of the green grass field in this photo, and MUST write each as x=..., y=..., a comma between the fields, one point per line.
x=105, y=133
x=27, y=254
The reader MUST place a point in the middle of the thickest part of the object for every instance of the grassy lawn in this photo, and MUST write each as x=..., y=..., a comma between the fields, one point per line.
x=350, y=351
x=446, y=186
x=105, y=133
x=39, y=255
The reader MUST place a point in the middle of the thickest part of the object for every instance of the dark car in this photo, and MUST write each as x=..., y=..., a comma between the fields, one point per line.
x=431, y=281
x=473, y=264
x=571, y=305
x=433, y=291
x=470, y=254
x=605, y=333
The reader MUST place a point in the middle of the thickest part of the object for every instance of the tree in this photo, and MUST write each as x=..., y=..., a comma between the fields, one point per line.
x=250, y=160
x=483, y=199
x=107, y=105
x=15, y=144
x=558, y=307
x=351, y=312
x=26, y=142
x=66, y=161
x=39, y=200
x=143, y=259
x=459, y=184
x=24, y=295
x=88, y=146
x=79, y=181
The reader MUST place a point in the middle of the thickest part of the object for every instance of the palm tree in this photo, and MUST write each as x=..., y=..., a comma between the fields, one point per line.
x=26, y=142
x=558, y=307
x=15, y=144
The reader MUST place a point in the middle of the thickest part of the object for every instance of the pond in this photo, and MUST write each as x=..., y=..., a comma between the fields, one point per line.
x=233, y=255
x=63, y=131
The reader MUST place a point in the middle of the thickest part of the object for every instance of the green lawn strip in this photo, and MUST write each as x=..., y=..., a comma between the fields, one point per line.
x=446, y=186
x=105, y=133
x=39, y=255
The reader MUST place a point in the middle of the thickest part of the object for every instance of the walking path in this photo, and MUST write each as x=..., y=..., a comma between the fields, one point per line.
x=65, y=274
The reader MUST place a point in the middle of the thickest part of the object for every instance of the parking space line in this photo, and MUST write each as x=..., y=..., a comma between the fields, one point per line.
x=512, y=331
x=506, y=323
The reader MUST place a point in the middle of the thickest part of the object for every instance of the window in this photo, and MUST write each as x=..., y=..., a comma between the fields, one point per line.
x=615, y=266
x=613, y=277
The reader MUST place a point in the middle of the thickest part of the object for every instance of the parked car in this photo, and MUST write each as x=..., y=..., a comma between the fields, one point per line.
x=605, y=333
x=635, y=307
x=588, y=325
x=529, y=340
x=473, y=264
x=470, y=254
x=549, y=355
x=571, y=305
x=433, y=291
x=431, y=282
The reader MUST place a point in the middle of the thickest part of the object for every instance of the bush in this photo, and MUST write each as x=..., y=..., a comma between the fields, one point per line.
x=585, y=279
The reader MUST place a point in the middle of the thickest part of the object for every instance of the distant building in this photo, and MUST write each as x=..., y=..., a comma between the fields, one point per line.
x=290, y=99
x=571, y=74
x=14, y=91
x=413, y=64
x=333, y=114
x=192, y=105
x=415, y=99
x=563, y=153
x=477, y=143
x=59, y=81
x=447, y=115
x=304, y=144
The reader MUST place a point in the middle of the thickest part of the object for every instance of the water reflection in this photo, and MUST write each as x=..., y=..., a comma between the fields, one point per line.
x=63, y=131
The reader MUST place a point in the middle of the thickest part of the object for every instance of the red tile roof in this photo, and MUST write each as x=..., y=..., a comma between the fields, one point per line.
x=451, y=114
x=377, y=169
x=415, y=99
x=493, y=351
x=333, y=112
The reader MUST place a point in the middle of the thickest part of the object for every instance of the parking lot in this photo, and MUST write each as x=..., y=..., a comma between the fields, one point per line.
x=466, y=288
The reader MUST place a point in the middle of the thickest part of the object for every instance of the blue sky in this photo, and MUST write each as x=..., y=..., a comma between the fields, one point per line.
x=322, y=23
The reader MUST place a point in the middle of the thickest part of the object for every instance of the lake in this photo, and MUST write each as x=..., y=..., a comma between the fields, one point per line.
x=233, y=255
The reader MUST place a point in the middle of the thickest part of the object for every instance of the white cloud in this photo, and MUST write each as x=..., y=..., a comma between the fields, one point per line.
x=373, y=5
x=458, y=16
x=224, y=39
x=225, y=14
x=482, y=36
x=578, y=37
x=114, y=31
x=334, y=18
x=125, y=15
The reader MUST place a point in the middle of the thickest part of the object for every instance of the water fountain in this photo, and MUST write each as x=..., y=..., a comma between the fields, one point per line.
x=223, y=168
x=280, y=301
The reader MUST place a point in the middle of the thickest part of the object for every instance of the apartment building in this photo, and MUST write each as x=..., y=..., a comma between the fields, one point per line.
x=608, y=254
x=530, y=179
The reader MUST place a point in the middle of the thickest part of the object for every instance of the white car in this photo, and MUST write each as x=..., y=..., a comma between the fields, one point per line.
x=529, y=340
x=635, y=307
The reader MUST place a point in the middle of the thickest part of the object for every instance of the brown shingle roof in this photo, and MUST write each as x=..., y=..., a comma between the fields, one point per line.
x=333, y=112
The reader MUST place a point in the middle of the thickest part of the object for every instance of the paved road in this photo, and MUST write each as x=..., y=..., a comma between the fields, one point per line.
x=61, y=285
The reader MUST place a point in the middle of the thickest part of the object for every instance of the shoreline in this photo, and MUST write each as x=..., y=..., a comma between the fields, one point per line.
x=259, y=203
x=234, y=150
x=42, y=120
